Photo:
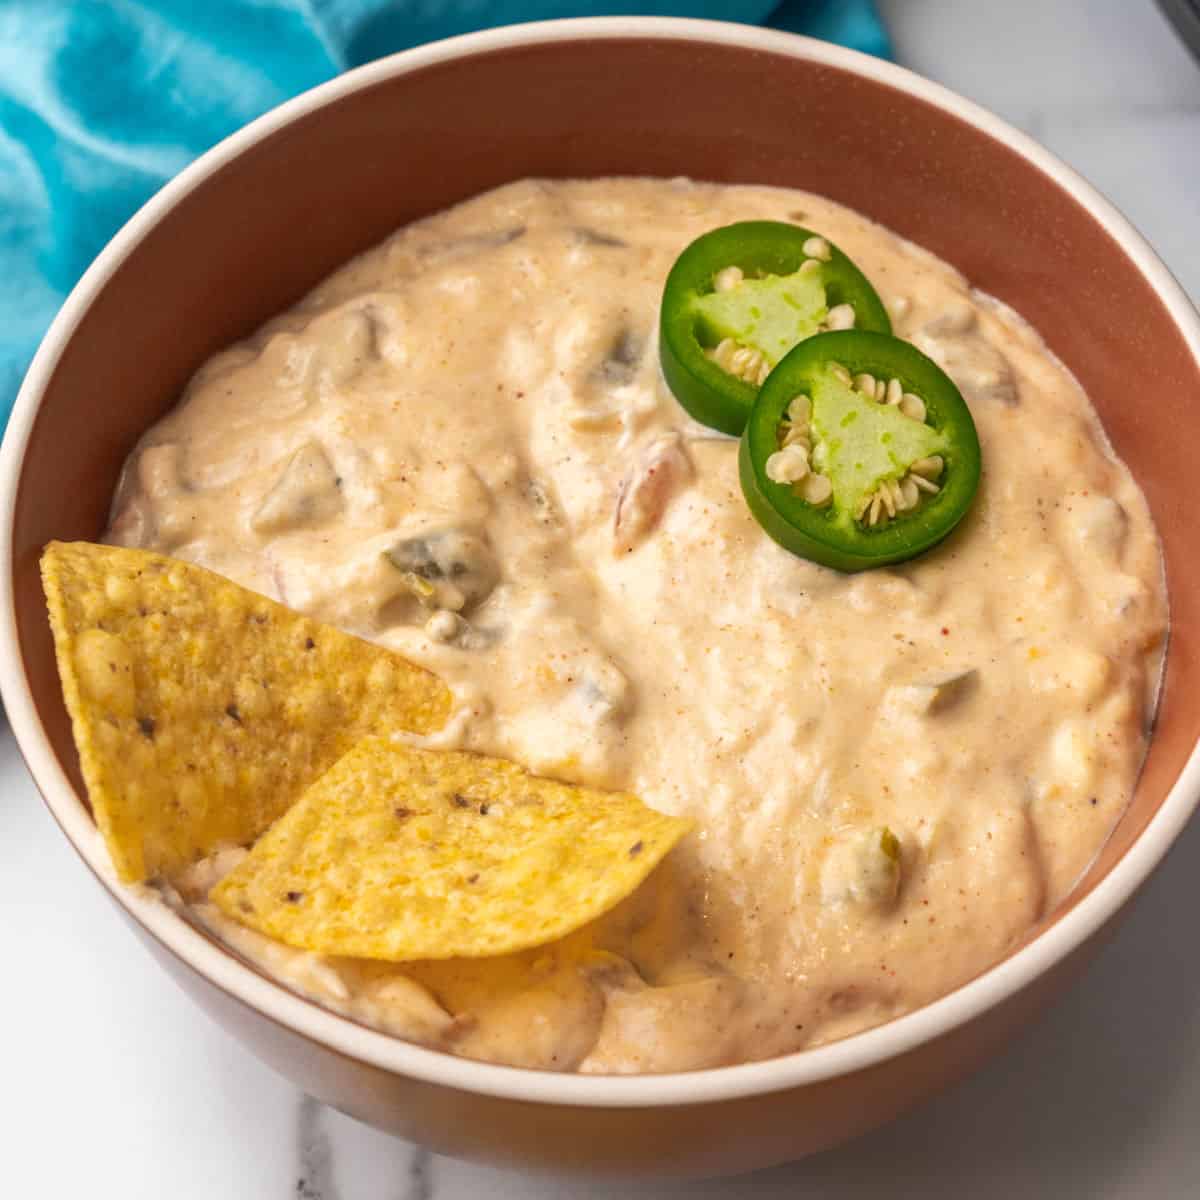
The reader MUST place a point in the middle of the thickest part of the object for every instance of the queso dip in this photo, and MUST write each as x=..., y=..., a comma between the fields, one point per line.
x=894, y=775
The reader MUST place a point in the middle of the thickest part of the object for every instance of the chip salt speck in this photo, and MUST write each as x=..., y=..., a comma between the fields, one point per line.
x=403, y=854
x=202, y=710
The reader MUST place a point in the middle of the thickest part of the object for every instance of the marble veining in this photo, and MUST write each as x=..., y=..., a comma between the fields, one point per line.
x=317, y=1174
x=420, y=1175
x=117, y=1086
x=316, y=1181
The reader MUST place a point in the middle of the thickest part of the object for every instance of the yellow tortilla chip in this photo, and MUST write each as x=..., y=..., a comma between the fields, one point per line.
x=202, y=710
x=402, y=854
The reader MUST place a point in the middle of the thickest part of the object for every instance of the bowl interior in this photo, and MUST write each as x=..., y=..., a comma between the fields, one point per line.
x=250, y=238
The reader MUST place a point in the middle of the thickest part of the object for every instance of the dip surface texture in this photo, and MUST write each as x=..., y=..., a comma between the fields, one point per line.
x=460, y=446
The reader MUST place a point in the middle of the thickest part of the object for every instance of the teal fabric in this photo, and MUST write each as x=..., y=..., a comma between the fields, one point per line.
x=103, y=101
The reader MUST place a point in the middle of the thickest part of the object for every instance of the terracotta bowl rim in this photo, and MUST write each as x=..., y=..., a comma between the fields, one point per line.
x=223, y=969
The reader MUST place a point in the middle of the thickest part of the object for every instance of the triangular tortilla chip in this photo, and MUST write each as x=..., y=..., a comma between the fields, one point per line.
x=403, y=854
x=202, y=710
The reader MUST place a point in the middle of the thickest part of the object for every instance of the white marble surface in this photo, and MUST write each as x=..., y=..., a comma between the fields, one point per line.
x=114, y=1085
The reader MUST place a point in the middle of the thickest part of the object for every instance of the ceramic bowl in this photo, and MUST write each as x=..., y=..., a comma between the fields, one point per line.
x=252, y=225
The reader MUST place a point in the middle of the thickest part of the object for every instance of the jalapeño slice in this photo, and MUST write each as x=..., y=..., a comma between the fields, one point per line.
x=859, y=452
x=739, y=298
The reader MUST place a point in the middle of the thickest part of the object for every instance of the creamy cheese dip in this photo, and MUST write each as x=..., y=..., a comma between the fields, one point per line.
x=470, y=404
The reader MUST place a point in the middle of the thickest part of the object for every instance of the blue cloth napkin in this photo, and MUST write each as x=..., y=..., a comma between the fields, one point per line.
x=103, y=101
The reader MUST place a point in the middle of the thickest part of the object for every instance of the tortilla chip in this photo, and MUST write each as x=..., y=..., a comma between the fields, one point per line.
x=402, y=854
x=202, y=710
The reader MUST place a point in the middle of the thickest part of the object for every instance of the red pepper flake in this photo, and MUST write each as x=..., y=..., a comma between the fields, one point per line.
x=945, y=631
x=294, y=897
